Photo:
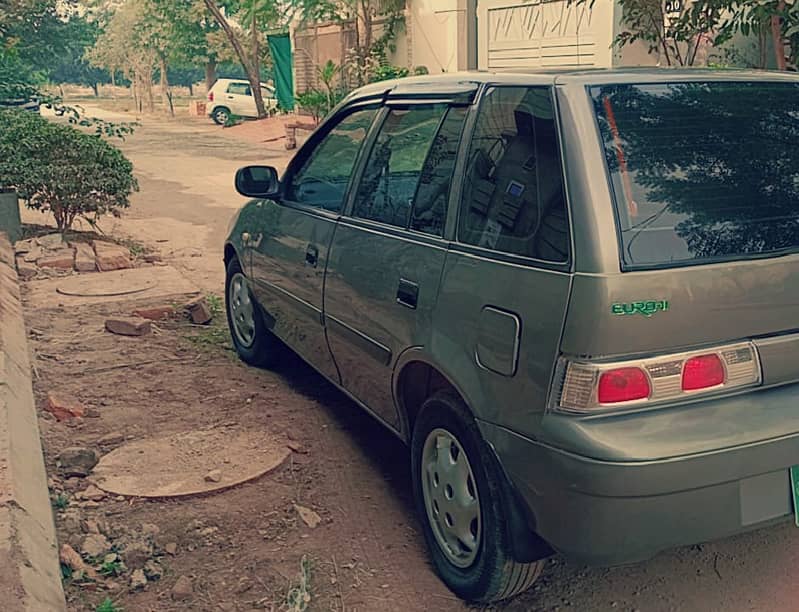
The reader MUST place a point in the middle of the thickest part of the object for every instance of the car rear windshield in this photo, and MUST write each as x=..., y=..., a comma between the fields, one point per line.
x=702, y=171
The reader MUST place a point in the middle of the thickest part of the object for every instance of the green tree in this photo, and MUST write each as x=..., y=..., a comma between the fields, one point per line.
x=674, y=36
x=779, y=17
x=59, y=169
x=71, y=66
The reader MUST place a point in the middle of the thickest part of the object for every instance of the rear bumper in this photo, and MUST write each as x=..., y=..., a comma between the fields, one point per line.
x=614, y=512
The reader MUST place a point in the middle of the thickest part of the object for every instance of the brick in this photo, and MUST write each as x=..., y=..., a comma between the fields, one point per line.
x=84, y=257
x=24, y=246
x=128, y=326
x=62, y=259
x=111, y=256
x=25, y=270
x=64, y=407
x=33, y=254
x=51, y=241
x=155, y=313
x=199, y=311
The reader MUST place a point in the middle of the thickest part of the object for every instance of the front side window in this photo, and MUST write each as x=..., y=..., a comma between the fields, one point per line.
x=702, y=171
x=240, y=89
x=323, y=178
x=514, y=198
x=389, y=182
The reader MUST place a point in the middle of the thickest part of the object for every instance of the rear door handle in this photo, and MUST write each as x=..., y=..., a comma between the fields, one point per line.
x=312, y=255
x=408, y=293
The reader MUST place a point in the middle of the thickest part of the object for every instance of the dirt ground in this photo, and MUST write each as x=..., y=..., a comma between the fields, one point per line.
x=242, y=547
x=246, y=548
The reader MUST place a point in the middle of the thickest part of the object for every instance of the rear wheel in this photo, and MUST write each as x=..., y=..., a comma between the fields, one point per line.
x=253, y=342
x=221, y=115
x=457, y=490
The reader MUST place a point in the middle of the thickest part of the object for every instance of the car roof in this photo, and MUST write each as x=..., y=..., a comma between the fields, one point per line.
x=224, y=81
x=431, y=84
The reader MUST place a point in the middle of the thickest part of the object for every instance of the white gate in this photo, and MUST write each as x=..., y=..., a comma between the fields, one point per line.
x=516, y=34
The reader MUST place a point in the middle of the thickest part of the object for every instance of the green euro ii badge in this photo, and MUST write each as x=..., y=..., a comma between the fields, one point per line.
x=646, y=308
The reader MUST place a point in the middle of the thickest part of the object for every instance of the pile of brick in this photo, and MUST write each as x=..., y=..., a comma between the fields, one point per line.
x=48, y=255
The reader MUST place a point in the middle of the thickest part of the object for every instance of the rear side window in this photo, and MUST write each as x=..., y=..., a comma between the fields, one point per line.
x=432, y=195
x=513, y=195
x=239, y=88
x=391, y=176
x=702, y=171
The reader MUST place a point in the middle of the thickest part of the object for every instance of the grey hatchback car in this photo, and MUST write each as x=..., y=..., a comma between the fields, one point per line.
x=575, y=296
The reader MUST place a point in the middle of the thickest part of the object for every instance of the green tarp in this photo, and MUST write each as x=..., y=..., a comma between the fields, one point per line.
x=280, y=47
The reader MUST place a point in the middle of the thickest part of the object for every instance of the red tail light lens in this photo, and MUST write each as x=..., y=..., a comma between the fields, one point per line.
x=210, y=96
x=702, y=372
x=623, y=385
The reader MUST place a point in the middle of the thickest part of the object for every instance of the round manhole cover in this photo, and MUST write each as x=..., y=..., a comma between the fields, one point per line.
x=188, y=463
x=102, y=285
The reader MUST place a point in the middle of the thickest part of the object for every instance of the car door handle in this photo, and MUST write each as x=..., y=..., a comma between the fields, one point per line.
x=407, y=293
x=312, y=255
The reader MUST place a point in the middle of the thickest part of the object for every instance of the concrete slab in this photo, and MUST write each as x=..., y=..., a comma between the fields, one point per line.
x=30, y=577
x=91, y=288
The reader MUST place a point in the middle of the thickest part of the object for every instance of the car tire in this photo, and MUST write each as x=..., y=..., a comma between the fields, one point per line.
x=258, y=347
x=220, y=115
x=491, y=574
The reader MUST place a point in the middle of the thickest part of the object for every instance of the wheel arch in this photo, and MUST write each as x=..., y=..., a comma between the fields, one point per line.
x=230, y=253
x=416, y=377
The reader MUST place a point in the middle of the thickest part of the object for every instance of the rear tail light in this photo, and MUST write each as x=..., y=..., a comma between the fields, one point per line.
x=623, y=385
x=702, y=372
x=210, y=96
x=590, y=387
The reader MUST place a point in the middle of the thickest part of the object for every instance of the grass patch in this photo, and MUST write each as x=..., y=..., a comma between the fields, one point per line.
x=299, y=596
x=215, y=336
x=137, y=249
x=108, y=605
x=112, y=568
x=60, y=502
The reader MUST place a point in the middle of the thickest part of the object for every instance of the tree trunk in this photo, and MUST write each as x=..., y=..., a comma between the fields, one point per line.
x=776, y=36
x=165, y=97
x=210, y=73
x=256, y=65
x=134, y=91
x=96, y=89
x=191, y=90
x=148, y=85
x=253, y=72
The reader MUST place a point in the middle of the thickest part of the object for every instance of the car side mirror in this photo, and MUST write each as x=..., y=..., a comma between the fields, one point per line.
x=257, y=182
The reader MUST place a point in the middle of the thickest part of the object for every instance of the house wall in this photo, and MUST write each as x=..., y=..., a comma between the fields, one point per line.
x=431, y=37
x=518, y=34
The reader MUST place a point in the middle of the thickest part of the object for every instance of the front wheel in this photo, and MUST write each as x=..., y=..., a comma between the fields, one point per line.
x=254, y=343
x=457, y=488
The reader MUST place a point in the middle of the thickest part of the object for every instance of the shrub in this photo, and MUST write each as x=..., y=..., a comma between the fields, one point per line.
x=59, y=169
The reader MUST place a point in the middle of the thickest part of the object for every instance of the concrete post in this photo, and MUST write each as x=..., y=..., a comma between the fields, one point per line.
x=467, y=34
x=10, y=221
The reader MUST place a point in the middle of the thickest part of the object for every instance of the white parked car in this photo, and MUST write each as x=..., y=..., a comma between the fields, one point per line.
x=234, y=97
